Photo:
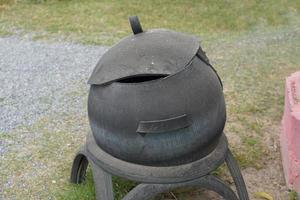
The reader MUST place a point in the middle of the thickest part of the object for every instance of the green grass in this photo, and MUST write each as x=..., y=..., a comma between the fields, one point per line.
x=253, y=67
x=253, y=45
x=104, y=22
x=86, y=190
x=292, y=195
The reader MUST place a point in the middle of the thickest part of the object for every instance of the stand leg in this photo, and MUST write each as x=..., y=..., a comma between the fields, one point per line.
x=237, y=176
x=103, y=183
x=149, y=191
x=102, y=180
x=79, y=167
x=104, y=188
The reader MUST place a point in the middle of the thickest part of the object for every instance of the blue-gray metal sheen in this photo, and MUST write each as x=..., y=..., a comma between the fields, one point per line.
x=155, y=100
x=160, y=126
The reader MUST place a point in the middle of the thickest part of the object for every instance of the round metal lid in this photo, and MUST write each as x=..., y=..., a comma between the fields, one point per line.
x=153, y=52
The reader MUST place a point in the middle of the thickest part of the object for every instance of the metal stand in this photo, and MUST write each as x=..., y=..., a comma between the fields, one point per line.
x=156, y=180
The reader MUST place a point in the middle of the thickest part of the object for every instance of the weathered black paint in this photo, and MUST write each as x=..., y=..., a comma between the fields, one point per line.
x=180, y=82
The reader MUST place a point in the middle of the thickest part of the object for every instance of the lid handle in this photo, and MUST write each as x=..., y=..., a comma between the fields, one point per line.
x=135, y=25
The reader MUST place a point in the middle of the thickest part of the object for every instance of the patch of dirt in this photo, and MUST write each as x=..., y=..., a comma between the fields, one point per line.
x=270, y=178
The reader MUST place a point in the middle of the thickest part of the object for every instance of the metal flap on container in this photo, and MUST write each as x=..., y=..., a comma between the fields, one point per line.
x=153, y=52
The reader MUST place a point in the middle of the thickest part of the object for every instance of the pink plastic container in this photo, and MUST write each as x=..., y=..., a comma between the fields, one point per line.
x=290, y=135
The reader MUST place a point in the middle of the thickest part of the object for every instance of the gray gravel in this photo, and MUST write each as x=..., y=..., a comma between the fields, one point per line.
x=38, y=77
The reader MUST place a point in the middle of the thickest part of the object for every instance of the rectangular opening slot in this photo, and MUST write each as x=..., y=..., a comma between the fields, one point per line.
x=141, y=78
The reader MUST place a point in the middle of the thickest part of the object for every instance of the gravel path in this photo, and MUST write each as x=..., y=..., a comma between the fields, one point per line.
x=35, y=78
x=40, y=79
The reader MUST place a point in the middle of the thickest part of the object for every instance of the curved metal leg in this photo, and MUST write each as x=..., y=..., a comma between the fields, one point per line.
x=149, y=191
x=79, y=167
x=102, y=180
x=104, y=188
x=103, y=183
x=237, y=176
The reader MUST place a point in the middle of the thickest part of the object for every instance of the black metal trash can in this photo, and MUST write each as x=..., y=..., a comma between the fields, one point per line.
x=156, y=100
x=157, y=113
